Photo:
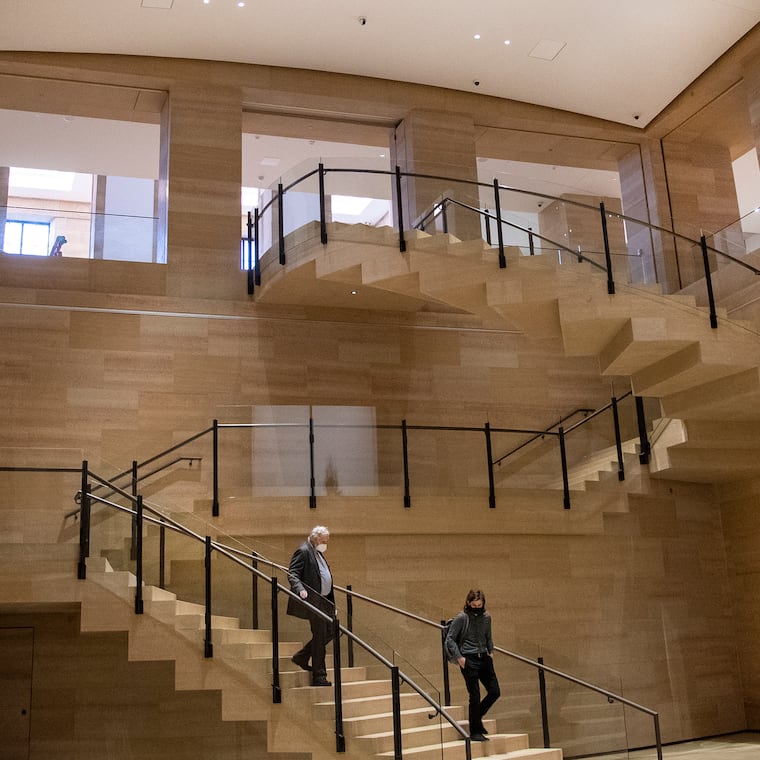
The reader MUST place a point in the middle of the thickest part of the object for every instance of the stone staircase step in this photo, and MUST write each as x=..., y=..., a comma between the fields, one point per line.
x=372, y=705
x=374, y=723
x=454, y=750
x=426, y=736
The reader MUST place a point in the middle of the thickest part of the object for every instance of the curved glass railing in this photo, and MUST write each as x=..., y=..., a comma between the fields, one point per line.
x=574, y=228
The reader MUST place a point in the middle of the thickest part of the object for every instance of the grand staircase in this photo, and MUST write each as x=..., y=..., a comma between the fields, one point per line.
x=702, y=377
x=308, y=710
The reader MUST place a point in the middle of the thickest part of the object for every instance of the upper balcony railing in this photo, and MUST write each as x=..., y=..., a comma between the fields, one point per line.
x=70, y=233
x=630, y=251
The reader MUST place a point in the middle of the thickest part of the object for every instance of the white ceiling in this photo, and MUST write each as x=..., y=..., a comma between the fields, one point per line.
x=617, y=59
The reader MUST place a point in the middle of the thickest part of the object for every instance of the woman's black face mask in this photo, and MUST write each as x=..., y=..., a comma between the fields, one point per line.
x=477, y=611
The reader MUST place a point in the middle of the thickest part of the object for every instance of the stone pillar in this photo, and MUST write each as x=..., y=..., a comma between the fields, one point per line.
x=199, y=191
x=751, y=70
x=439, y=144
x=97, y=224
x=702, y=198
x=644, y=195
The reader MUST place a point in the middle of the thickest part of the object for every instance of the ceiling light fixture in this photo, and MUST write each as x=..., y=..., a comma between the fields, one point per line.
x=507, y=42
x=476, y=36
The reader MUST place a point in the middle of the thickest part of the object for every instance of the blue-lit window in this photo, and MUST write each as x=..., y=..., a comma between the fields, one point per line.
x=27, y=238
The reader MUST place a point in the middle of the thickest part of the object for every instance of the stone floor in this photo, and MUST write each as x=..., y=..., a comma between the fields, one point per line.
x=734, y=747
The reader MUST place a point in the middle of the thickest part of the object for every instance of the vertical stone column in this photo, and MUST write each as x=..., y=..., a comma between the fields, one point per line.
x=439, y=144
x=644, y=195
x=751, y=70
x=199, y=191
x=702, y=198
x=97, y=224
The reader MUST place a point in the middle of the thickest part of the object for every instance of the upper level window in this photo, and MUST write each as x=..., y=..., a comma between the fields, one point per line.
x=27, y=238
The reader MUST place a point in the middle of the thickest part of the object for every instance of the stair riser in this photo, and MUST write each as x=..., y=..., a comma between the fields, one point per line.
x=356, y=708
x=374, y=724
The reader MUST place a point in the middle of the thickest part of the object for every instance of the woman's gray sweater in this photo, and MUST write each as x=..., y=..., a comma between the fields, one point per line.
x=469, y=634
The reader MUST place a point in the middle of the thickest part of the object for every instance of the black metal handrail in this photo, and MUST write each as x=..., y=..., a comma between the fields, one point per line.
x=398, y=175
x=163, y=522
x=538, y=664
x=552, y=244
x=234, y=554
x=538, y=436
x=404, y=428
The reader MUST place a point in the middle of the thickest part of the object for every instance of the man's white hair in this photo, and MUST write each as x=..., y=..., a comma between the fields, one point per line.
x=318, y=530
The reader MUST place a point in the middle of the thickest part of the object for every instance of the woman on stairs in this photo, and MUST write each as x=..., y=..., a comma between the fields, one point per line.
x=469, y=644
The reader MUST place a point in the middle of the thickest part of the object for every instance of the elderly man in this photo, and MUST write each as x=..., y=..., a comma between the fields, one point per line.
x=311, y=580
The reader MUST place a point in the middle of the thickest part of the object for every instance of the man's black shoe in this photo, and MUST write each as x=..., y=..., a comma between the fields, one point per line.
x=478, y=738
x=304, y=665
x=320, y=682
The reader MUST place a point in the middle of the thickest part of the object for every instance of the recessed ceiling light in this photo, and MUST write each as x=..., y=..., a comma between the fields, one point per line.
x=241, y=4
x=507, y=42
x=354, y=292
x=476, y=36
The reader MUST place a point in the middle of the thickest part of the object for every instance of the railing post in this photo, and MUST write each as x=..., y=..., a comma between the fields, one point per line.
x=396, y=701
x=499, y=231
x=544, y=711
x=618, y=442
x=489, y=455
x=340, y=737
x=531, y=243
x=133, y=543
x=322, y=209
x=276, y=690
x=400, y=212
x=312, y=477
x=208, y=646
x=657, y=735
x=139, y=606
x=563, y=458
x=256, y=268
x=444, y=217
x=254, y=593
x=249, y=261
x=708, y=282
x=607, y=255
x=405, y=444
x=84, y=523
x=350, y=623
x=644, y=445
x=445, y=663
x=215, y=457
x=281, y=221
x=487, y=219
x=162, y=554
